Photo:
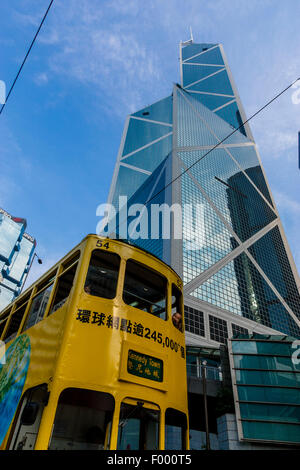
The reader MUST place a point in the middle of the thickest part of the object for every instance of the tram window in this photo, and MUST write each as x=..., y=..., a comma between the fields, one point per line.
x=102, y=276
x=82, y=421
x=28, y=417
x=38, y=307
x=3, y=320
x=175, y=431
x=138, y=428
x=63, y=289
x=71, y=260
x=14, y=323
x=144, y=289
x=177, y=307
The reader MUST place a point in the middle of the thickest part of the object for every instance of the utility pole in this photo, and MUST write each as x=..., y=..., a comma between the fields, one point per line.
x=203, y=366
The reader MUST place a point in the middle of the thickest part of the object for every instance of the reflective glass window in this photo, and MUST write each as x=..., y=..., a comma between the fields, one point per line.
x=238, y=330
x=138, y=428
x=192, y=73
x=141, y=133
x=270, y=431
x=38, y=307
x=265, y=362
x=270, y=413
x=262, y=347
x=21, y=260
x=160, y=111
x=271, y=377
x=82, y=421
x=175, y=430
x=194, y=321
x=218, y=83
x=9, y=235
x=218, y=329
x=269, y=394
x=211, y=101
x=208, y=56
x=150, y=157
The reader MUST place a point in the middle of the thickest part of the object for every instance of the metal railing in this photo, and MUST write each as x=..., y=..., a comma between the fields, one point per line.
x=212, y=373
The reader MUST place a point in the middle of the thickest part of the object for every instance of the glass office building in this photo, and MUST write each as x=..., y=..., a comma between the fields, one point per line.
x=191, y=150
x=266, y=377
x=16, y=251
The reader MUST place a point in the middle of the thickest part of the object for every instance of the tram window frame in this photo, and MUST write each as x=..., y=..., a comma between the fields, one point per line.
x=14, y=323
x=16, y=316
x=109, y=260
x=38, y=397
x=134, y=273
x=137, y=413
x=35, y=316
x=3, y=320
x=177, y=306
x=81, y=434
x=54, y=306
x=174, y=418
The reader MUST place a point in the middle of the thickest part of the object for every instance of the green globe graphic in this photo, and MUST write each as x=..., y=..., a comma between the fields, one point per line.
x=12, y=378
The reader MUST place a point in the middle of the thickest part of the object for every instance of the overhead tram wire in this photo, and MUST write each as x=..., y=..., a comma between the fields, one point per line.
x=219, y=143
x=27, y=54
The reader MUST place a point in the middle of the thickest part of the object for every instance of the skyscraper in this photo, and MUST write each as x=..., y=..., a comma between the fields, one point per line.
x=16, y=251
x=191, y=152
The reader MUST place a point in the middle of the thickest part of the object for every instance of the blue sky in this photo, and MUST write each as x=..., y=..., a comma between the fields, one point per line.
x=94, y=62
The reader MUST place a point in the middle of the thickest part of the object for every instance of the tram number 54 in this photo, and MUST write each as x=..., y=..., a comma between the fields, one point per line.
x=100, y=244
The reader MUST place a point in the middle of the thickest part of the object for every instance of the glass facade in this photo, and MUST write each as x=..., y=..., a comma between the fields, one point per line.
x=193, y=150
x=266, y=379
x=16, y=251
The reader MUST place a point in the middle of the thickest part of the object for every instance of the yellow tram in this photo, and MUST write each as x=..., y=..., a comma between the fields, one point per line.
x=93, y=355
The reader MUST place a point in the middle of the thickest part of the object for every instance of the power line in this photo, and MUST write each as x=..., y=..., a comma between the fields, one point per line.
x=27, y=54
x=219, y=143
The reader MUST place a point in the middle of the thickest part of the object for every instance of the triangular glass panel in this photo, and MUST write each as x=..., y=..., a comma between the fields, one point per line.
x=141, y=133
x=218, y=83
x=270, y=253
x=220, y=128
x=129, y=181
x=231, y=115
x=193, y=49
x=192, y=73
x=192, y=130
x=152, y=191
x=229, y=189
x=161, y=111
x=149, y=158
x=211, y=56
x=247, y=158
x=211, y=101
x=239, y=288
x=206, y=239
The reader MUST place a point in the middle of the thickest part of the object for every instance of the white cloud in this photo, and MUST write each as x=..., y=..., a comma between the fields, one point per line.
x=89, y=43
x=41, y=78
x=286, y=203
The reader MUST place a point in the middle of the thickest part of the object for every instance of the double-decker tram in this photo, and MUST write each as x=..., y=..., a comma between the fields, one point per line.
x=93, y=355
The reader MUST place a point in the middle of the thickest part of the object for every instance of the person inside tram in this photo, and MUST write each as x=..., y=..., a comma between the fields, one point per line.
x=177, y=320
x=88, y=289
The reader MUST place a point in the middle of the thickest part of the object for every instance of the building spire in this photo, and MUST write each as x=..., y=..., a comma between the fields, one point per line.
x=186, y=43
x=192, y=39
